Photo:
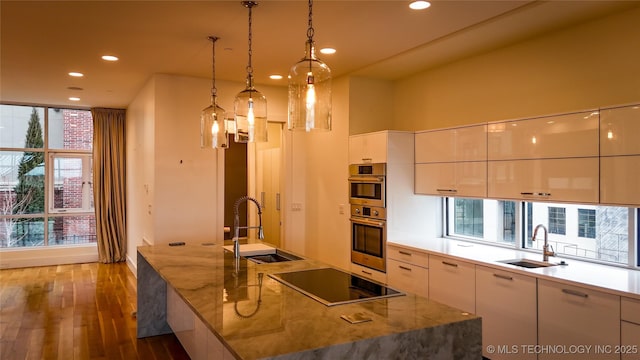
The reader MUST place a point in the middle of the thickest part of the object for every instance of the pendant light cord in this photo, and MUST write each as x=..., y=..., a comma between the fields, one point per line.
x=213, y=65
x=310, y=30
x=250, y=5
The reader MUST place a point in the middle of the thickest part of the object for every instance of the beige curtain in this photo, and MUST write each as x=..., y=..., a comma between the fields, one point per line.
x=109, y=183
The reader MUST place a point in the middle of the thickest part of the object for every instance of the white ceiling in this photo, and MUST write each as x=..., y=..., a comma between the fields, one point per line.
x=41, y=41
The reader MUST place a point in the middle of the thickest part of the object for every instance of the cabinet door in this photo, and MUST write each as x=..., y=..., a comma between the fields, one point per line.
x=467, y=178
x=572, y=180
x=507, y=304
x=368, y=148
x=471, y=178
x=619, y=180
x=561, y=136
x=452, y=282
x=181, y=320
x=436, y=179
x=629, y=340
x=571, y=315
x=449, y=145
x=619, y=129
x=435, y=146
x=408, y=277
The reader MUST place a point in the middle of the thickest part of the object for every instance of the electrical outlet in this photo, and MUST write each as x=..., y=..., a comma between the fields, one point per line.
x=341, y=209
x=296, y=207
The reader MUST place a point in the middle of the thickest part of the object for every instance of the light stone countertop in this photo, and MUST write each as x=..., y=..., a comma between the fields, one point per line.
x=609, y=279
x=290, y=323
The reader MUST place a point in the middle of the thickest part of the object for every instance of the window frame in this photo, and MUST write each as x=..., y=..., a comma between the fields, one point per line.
x=521, y=210
x=87, y=202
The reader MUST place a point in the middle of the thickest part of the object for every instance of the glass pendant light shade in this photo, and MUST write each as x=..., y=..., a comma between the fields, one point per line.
x=310, y=88
x=213, y=132
x=310, y=93
x=250, y=107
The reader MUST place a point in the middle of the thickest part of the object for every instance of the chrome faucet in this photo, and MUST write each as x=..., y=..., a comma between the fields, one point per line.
x=545, y=248
x=237, y=227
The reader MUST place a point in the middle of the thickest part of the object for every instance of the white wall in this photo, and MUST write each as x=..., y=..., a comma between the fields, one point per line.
x=578, y=68
x=175, y=189
x=317, y=171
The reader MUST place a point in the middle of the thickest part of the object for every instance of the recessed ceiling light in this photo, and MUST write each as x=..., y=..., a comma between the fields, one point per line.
x=328, y=51
x=419, y=5
x=109, y=58
x=76, y=74
x=73, y=98
x=275, y=77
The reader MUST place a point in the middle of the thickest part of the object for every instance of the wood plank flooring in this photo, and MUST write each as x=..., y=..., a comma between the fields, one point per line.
x=80, y=311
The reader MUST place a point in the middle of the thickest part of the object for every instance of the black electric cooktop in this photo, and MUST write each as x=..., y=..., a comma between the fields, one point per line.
x=334, y=287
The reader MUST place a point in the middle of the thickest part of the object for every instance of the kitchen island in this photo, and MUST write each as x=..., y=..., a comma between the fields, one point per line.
x=236, y=310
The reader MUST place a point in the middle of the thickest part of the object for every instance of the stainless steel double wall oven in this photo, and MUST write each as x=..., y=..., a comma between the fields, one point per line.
x=367, y=188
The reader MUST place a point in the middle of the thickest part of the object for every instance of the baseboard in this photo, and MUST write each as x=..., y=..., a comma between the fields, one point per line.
x=53, y=255
x=133, y=266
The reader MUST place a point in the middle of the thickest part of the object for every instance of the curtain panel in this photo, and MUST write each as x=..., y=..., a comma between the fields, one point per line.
x=109, y=183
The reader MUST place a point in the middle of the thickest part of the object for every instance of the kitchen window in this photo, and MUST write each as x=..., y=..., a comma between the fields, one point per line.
x=589, y=232
x=46, y=193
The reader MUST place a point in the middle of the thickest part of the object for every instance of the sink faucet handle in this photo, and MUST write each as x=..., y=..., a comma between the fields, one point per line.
x=260, y=233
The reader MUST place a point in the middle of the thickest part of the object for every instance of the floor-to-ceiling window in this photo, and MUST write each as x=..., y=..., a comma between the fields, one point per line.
x=46, y=184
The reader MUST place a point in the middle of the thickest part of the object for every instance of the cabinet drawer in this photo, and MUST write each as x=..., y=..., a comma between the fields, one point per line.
x=371, y=274
x=408, y=256
x=630, y=310
x=408, y=277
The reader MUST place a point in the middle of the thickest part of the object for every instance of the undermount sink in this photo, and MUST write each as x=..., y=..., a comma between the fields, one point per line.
x=527, y=263
x=278, y=256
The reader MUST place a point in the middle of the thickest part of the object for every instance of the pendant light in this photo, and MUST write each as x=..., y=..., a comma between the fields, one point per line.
x=310, y=89
x=250, y=106
x=213, y=132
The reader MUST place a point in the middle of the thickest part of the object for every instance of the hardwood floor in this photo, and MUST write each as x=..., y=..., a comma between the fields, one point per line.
x=81, y=311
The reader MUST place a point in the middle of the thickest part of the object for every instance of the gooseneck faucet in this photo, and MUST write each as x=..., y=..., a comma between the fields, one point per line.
x=545, y=248
x=237, y=227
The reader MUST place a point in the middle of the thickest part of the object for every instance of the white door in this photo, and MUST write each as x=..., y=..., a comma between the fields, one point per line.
x=268, y=156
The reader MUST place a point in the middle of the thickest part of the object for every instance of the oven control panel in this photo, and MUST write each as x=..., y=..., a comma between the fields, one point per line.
x=371, y=212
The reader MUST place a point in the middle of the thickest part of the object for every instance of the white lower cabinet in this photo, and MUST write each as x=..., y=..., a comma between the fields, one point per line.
x=368, y=273
x=572, y=318
x=408, y=270
x=194, y=336
x=629, y=329
x=452, y=282
x=506, y=302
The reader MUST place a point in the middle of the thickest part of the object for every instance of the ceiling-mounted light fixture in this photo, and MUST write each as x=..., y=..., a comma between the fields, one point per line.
x=213, y=132
x=250, y=106
x=310, y=89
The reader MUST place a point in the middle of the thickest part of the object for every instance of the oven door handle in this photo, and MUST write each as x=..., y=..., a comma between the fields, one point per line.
x=367, y=222
x=366, y=179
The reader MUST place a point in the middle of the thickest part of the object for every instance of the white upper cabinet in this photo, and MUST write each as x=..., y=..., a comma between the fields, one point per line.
x=619, y=129
x=452, y=162
x=468, y=179
x=560, y=136
x=451, y=145
x=571, y=180
x=368, y=148
x=620, y=155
